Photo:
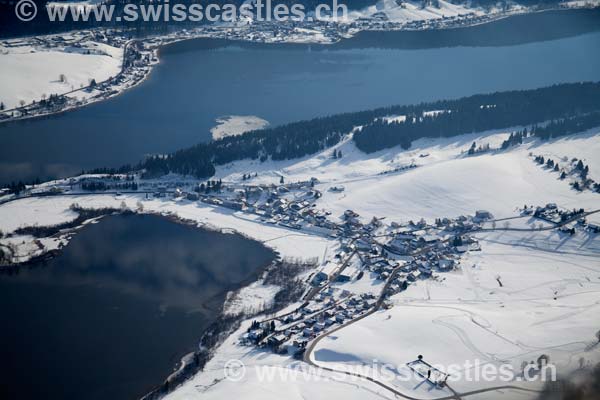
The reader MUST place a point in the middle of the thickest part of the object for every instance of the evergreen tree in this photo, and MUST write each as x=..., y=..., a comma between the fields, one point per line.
x=472, y=149
x=584, y=172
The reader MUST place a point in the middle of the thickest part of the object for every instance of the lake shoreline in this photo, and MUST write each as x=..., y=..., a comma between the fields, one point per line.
x=168, y=43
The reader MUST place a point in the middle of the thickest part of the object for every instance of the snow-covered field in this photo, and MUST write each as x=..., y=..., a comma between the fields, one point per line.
x=30, y=72
x=524, y=294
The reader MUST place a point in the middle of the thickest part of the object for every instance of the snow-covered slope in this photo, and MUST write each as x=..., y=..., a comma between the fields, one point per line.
x=445, y=183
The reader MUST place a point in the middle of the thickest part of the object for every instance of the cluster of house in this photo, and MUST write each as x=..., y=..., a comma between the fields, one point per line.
x=272, y=31
x=380, y=21
x=290, y=333
x=288, y=209
x=399, y=169
x=73, y=40
x=445, y=235
x=395, y=256
x=551, y=213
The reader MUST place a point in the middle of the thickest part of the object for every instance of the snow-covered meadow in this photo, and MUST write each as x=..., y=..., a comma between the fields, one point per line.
x=33, y=71
x=550, y=289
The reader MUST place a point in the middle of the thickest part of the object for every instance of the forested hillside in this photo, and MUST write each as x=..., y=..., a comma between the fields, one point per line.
x=572, y=107
x=480, y=113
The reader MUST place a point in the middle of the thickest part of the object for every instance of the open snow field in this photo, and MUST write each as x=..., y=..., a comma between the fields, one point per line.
x=29, y=71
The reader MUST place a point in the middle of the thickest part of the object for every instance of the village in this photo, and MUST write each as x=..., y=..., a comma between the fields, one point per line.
x=372, y=262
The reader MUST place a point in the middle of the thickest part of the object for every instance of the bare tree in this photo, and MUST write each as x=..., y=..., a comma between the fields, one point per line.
x=62, y=78
x=524, y=365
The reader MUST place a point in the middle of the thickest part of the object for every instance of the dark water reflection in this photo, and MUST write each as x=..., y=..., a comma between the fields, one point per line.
x=110, y=316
